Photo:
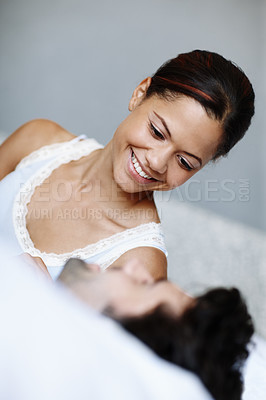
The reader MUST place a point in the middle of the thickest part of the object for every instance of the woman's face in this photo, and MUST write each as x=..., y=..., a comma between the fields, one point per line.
x=162, y=144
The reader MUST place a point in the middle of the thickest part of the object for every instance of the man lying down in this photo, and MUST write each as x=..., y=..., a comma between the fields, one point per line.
x=207, y=335
x=54, y=346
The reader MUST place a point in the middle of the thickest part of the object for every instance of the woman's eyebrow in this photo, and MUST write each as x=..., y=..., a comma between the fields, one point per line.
x=169, y=133
x=163, y=122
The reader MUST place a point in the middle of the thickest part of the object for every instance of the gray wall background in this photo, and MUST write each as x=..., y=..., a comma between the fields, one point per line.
x=77, y=62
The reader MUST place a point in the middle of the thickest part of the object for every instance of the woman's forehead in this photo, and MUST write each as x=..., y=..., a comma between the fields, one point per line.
x=188, y=123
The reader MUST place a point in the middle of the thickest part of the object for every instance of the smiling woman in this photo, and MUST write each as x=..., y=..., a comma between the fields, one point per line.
x=64, y=196
x=165, y=152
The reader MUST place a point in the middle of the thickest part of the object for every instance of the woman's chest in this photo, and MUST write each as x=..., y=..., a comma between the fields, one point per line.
x=63, y=216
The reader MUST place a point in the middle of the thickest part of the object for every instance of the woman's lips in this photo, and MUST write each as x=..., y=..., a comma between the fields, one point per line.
x=135, y=174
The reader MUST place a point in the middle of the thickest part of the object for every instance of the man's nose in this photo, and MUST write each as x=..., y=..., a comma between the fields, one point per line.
x=157, y=160
x=137, y=271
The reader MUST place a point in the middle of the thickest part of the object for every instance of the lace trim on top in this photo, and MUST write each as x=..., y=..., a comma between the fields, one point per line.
x=151, y=228
x=50, y=150
x=71, y=151
x=153, y=238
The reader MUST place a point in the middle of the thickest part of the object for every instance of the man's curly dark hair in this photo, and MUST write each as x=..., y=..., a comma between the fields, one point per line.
x=210, y=339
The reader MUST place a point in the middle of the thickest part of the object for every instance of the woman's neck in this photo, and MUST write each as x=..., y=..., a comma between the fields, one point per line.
x=98, y=174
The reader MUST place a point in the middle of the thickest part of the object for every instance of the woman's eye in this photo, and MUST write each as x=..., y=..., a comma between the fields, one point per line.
x=184, y=163
x=156, y=132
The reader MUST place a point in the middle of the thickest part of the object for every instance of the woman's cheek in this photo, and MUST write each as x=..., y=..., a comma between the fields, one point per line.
x=179, y=178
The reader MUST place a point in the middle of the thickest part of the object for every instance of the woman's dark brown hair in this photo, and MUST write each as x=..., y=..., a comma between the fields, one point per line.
x=217, y=84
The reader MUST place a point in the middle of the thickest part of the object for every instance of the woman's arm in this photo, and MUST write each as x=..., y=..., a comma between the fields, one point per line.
x=153, y=259
x=36, y=263
x=29, y=137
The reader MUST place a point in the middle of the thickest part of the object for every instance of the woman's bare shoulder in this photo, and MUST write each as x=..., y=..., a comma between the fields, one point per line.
x=28, y=138
x=37, y=133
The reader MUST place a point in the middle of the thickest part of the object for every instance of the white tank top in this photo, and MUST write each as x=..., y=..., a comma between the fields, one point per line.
x=17, y=188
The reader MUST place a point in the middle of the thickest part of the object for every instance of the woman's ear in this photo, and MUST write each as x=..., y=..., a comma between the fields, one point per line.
x=139, y=93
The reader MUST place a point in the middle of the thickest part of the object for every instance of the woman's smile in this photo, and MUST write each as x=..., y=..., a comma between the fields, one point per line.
x=137, y=170
x=138, y=167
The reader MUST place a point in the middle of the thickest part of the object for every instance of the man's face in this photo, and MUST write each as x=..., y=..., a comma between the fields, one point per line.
x=127, y=291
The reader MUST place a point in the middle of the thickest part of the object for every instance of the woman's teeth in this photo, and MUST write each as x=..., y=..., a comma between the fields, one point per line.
x=138, y=168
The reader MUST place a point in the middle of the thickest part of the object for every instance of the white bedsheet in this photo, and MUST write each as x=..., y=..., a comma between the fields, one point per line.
x=255, y=372
x=53, y=347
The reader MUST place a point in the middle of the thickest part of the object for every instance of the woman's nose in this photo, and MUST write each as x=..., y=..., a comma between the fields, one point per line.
x=157, y=160
x=137, y=271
